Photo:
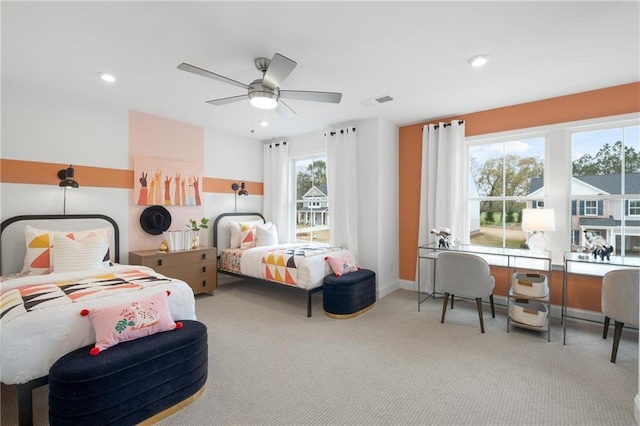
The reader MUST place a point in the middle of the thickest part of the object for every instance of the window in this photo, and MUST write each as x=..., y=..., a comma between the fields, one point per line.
x=606, y=175
x=311, y=204
x=590, y=208
x=634, y=208
x=506, y=176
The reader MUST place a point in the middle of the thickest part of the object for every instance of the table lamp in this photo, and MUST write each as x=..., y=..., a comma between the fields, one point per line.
x=538, y=221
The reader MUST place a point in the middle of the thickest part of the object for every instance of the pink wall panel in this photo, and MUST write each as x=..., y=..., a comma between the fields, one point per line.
x=153, y=136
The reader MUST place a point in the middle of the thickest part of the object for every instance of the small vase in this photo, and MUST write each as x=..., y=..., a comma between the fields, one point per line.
x=195, y=242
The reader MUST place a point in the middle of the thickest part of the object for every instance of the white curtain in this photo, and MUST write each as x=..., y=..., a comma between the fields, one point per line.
x=343, y=188
x=276, y=189
x=443, y=187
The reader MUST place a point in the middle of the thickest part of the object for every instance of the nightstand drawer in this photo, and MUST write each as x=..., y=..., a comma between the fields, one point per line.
x=188, y=270
x=196, y=267
x=179, y=258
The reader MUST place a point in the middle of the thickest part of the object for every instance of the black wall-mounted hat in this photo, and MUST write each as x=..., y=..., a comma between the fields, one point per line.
x=155, y=220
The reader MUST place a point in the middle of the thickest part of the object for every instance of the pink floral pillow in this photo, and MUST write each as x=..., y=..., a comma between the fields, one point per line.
x=130, y=321
x=342, y=262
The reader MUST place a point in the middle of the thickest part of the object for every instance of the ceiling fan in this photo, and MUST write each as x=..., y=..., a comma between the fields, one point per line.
x=265, y=92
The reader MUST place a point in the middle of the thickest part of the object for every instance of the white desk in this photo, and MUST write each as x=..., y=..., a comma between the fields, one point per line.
x=588, y=265
x=509, y=258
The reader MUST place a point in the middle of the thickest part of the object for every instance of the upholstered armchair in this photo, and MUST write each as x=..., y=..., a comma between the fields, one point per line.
x=620, y=302
x=465, y=275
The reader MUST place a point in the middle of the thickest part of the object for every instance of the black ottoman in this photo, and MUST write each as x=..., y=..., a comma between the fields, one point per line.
x=130, y=382
x=350, y=294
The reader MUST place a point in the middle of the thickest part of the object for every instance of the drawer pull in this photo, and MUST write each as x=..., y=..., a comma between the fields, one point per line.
x=159, y=262
x=204, y=269
x=204, y=283
x=204, y=256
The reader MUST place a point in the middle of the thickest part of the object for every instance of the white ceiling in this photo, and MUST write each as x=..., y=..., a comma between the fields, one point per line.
x=415, y=52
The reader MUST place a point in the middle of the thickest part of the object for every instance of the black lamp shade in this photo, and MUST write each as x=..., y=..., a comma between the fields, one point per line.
x=243, y=190
x=66, y=177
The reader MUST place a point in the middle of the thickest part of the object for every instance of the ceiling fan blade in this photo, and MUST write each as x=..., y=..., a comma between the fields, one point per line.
x=279, y=68
x=224, y=101
x=302, y=95
x=204, y=73
x=285, y=110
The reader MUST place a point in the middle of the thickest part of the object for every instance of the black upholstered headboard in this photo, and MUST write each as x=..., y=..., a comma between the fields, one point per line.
x=13, y=245
x=221, y=234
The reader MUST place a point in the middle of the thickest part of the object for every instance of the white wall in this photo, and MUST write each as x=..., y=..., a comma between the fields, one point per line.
x=53, y=127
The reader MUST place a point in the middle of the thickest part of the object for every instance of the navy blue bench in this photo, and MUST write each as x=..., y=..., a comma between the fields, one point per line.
x=130, y=382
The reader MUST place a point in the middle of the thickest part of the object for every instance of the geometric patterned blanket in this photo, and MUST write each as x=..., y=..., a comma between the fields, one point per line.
x=19, y=301
x=281, y=265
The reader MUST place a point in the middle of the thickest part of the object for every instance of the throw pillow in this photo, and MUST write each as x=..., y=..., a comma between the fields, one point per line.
x=130, y=321
x=70, y=255
x=247, y=235
x=342, y=262
x=38, y=258
x=266, y=235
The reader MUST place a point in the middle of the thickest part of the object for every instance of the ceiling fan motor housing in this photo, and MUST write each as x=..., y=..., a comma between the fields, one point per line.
x=257, y=89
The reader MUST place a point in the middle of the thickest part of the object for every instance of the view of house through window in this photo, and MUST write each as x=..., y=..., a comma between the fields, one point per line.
x=312, y=207
x=605, y=188
x=505, y=177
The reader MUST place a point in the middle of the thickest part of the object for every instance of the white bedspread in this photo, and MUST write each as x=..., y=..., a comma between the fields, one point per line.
x=32, y=342
x=311, y=272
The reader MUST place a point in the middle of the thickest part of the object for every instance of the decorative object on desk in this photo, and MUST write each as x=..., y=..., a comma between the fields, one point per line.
x=598, y=245
x=583, y=252
x=443, y=236
x=537, y=221
x=155, y=220
x=195, y=228
x=164, y=246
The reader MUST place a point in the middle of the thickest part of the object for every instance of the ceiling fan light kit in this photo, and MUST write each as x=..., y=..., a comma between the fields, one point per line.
x=263, y=97
x=265, y=93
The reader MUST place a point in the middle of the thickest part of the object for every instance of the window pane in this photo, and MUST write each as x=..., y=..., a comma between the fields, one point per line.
x=498, y=173
x=312, y=213
x=606, y=167
x=499, y=224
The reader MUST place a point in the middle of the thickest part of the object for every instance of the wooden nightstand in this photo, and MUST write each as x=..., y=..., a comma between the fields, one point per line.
x=196, y=267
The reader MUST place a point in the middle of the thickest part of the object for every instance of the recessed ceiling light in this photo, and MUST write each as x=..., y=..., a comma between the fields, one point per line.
x=478, y=61
x=107, y=77
x=264, y=123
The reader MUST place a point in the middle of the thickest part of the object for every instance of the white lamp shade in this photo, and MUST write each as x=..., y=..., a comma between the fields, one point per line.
x=538, y=220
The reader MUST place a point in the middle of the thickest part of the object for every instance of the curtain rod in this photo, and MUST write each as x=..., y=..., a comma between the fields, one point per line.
x=353, y=129
x=445, y=124
x=277, y=144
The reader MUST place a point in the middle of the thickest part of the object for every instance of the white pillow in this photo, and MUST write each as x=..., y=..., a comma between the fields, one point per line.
x=234, y=228
x=266, y=235
x=70, y=255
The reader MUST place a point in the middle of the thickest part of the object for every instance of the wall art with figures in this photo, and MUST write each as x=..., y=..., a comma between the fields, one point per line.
x=163, y=182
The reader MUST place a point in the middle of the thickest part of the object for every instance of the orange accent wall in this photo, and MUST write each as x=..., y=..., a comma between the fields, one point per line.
x=605, y=102
x=39, y=173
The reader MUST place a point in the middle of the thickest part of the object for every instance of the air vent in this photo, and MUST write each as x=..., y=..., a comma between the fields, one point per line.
x=377, y=100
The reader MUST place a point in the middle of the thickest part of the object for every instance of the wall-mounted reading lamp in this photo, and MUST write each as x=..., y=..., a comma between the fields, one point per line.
x=67, y=180
x=240, y=190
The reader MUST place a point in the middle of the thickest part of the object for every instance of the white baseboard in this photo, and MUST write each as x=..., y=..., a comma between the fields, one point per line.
x=387, y=289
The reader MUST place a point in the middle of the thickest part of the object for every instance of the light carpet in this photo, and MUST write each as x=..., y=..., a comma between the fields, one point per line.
x=271, y=365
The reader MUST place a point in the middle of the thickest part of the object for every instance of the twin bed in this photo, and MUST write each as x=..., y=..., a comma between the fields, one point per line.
x=45, y=287
x=300, y=266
